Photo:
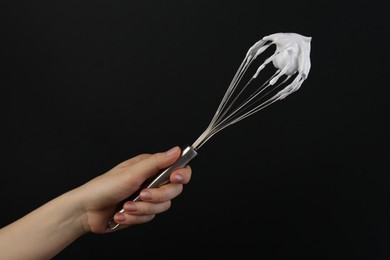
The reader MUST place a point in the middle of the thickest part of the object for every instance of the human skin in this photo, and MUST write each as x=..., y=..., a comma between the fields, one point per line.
x=47, y=230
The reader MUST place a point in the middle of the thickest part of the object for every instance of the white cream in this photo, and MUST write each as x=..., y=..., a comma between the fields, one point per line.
x=292, y=55
x=291, y=58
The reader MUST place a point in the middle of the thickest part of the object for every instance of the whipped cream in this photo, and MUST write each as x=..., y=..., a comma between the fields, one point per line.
x=291, y=59
x=292, y=56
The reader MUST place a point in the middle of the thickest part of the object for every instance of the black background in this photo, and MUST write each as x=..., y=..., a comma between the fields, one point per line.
x=88, y=84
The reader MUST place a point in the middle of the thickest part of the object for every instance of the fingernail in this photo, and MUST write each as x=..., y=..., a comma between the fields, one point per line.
x=178, y=178
x=130, y=207
x=172, y=151
x=146, y=195
x=120, y=217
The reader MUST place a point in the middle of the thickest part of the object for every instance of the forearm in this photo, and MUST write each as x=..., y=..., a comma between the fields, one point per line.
x=44, y=232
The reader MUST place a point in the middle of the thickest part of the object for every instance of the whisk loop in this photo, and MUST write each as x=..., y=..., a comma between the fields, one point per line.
x=291, y=57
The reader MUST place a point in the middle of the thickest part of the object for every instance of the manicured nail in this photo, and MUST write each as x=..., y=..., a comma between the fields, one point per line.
x=178, y=178
x=172, y=151
x=120, y=217
x=130, y=207
x=146, y=195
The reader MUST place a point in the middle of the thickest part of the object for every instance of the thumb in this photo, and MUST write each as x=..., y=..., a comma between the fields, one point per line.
x=155, y=163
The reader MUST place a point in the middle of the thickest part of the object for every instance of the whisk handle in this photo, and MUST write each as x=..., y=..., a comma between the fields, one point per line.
x=161, y=178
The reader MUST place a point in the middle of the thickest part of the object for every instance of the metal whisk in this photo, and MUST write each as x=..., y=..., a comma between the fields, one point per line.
x=246, y=96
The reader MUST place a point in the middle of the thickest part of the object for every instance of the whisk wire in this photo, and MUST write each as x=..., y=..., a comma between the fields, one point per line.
x=285, y=59
x=291, y=57
x=221, y=118
x=242, y=111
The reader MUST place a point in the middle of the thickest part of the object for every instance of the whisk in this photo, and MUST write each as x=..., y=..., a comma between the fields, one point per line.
x=246, y=96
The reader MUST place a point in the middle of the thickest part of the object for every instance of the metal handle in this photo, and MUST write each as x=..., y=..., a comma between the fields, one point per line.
x=159, y=179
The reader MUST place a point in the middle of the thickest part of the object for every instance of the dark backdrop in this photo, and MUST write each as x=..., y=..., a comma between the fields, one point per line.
x=88, y=84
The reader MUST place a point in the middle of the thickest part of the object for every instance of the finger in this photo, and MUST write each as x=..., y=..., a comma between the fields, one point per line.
x=140, y=212
x=127, y=220
x=145, y=208
x=133, y=160
x=152, y=164
x=181, y=176
x=161, y=194
x=160, y=161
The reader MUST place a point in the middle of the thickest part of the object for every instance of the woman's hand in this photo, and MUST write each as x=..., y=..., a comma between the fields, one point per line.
x=46, y=231
x=99, y=197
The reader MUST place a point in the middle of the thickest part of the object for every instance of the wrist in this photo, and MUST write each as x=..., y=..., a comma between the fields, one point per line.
x=77, y=212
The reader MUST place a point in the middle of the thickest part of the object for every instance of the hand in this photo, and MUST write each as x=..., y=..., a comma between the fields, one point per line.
x=99, y=198
x=89, y=207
